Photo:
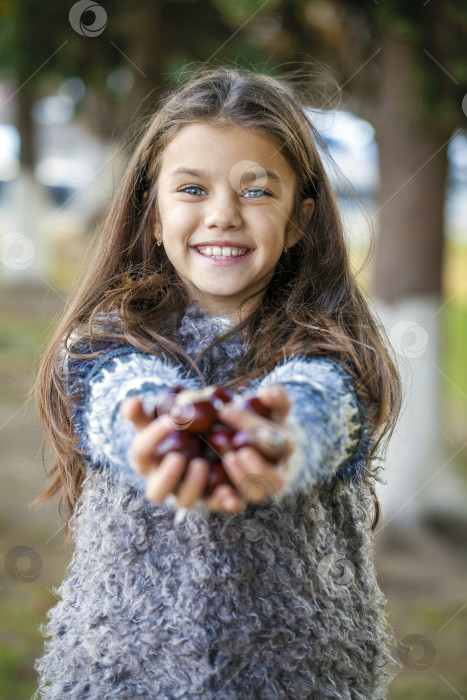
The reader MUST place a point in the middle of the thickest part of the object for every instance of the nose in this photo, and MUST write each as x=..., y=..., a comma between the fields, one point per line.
x=223, y=210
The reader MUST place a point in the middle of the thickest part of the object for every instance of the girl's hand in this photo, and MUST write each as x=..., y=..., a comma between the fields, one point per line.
x=253, y=475
x=164, y=475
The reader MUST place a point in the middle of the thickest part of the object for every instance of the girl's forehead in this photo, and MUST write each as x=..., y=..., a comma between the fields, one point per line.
x=211, y=148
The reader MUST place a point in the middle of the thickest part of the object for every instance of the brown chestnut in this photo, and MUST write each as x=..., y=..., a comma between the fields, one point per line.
x=255, y=405
x=194, y=417
x=198, y=431
x=220, y=438
x=221, y=395
x=189, y=446
x=216, y=477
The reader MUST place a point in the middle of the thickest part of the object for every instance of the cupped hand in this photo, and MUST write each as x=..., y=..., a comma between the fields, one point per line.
x=163, y=475
x=253, y=476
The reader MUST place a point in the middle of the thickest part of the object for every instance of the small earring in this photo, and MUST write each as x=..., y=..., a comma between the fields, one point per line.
x=159, y=242
x=285, y=250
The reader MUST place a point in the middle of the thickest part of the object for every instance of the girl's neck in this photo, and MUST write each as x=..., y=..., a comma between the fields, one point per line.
x=228, y=311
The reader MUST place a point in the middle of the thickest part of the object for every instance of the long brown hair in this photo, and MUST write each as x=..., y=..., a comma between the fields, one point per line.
x=311, y=306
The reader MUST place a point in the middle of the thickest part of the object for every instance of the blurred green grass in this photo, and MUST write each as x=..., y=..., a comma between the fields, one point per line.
x=21, y=341
x=20, y=639
x=454, y=346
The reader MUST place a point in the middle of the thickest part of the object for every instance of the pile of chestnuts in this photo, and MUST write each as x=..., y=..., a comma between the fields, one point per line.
x=198, y=431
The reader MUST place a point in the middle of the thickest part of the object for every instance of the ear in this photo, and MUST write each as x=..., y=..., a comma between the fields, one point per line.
x=295, y=231
x=156, y=223
x=157, y=229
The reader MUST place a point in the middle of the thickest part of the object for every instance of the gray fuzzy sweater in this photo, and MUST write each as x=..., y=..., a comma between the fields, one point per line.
x=279, y=601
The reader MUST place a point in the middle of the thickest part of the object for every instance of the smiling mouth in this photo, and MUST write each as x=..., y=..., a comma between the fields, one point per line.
x=223, y=259
x=222, y=253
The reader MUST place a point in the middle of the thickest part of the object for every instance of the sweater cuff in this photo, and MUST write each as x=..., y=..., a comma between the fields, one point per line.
x=104, y=383
x=325, y=421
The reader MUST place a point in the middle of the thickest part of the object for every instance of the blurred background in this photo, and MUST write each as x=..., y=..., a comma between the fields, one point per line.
x=386, y=83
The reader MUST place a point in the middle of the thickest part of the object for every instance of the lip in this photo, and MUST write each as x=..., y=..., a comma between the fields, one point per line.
x=227, y=261
x=222, y=244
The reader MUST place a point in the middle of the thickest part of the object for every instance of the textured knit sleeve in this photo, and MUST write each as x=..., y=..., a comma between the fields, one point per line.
x=103, y=383
x=330, y=434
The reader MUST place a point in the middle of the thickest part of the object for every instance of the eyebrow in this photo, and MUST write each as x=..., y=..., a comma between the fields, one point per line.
x=249, y=175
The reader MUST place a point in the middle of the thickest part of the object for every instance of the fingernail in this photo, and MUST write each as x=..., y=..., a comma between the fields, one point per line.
x=231, y=459
x=274, y=391
x=229, y=412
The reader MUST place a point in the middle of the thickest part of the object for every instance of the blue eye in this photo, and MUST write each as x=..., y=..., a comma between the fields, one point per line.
x=260, y=190
x=252, y=189
x=191, y=187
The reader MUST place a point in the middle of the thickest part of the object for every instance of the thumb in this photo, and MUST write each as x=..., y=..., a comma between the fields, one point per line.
x=275, y=396
x=134, y=411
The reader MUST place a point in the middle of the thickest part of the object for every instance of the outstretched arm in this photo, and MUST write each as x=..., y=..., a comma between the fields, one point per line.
x=104, y=382
x=325, y=425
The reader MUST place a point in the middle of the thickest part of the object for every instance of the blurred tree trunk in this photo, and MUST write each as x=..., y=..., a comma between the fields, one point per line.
x=413, y=165
x=412, y=110
x=161, y=38
x=28, y=203
x=25, y=100
x=407, y=287
x=148, y=55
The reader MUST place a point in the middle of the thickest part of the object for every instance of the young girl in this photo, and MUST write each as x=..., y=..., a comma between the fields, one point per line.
x=221, y=261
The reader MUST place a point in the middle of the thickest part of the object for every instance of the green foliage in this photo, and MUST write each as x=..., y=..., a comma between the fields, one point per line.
x=432, y=35
x=239, y=11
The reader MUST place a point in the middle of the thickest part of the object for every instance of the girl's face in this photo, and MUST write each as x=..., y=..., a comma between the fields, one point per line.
x=225, y=191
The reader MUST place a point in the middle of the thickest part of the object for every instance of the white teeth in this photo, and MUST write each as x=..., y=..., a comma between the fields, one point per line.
x=221, y=252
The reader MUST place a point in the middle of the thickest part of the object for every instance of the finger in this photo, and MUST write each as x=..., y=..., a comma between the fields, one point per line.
x=268, y=436
x=193, y=483
x=241, y=418
x=164, y=479
x=275, y=396
x=274, y=444
x=225, y=498
x=142, y=449
x=252, y=475
x=133, y=410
